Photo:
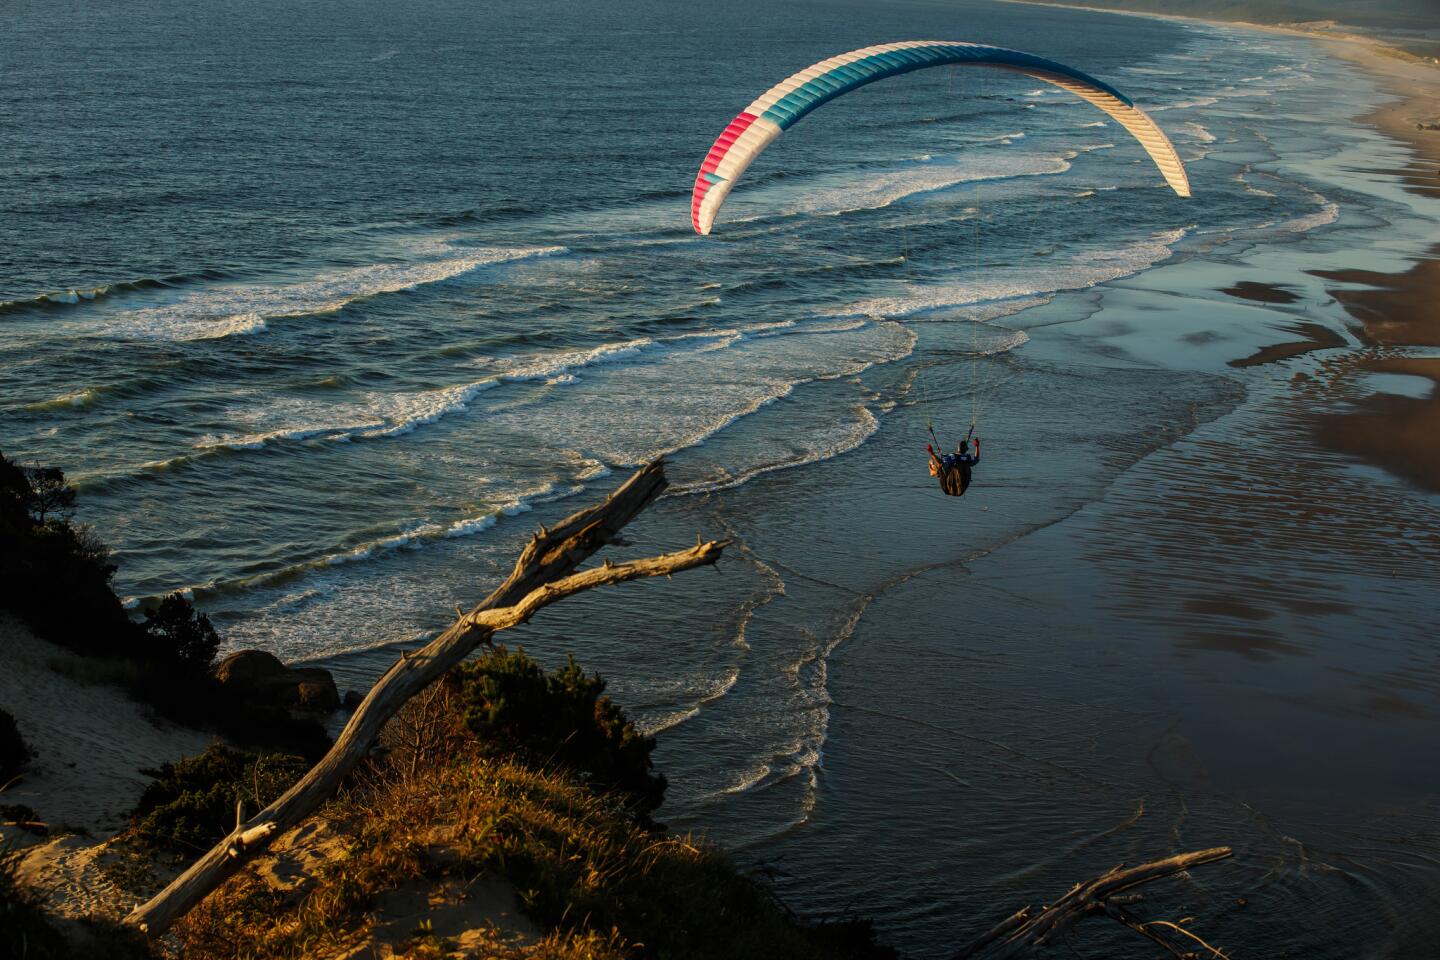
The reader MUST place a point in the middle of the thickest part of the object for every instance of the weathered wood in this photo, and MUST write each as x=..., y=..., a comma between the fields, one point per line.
x=1025, y=932
x=542, y=575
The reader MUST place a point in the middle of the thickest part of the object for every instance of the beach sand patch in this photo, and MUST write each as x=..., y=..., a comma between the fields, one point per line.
x=1399, y=433
x=1261, y=292
x=91, y=741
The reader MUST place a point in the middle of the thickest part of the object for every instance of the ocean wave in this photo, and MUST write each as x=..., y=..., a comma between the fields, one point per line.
x=1085, y=269
x=1184, y=104
x=379, y=415
x=710, y=691
x=865, y=428
x=693, y=388
x=1328, y=213
x=75, y=296
x=746, y=780
x=984, y=313
x=242, y=308
x=411, y=536
x=884, y=189
x=382, y=415
x=78, y=400
x=547, y=366
x=1196, y=132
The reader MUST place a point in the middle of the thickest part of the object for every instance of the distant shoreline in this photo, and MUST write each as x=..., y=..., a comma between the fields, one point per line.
x=1398, y=434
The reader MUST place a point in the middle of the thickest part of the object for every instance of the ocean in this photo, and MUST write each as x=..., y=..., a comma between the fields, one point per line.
x=323, y=307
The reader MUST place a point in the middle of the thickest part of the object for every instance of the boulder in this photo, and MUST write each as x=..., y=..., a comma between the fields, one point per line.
x=260, y=677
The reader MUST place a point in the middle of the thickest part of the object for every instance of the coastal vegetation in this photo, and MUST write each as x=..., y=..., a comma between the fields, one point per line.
x=501, y=769
x=469, y=788
x=487, y=807
x=513, y=707
x=13, y=751
x=57, y=576
x=191, y=802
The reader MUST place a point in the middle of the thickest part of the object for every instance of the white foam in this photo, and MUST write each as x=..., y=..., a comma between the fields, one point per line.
x=1196, y=132
x=242, y=308
x=652, y=726
x=1328, y=213
x=78, y=400
x=691, y=388
x=747, y=779
x=709, y=691
x=1085, y=269
x=833, y=196
x=1184, y=104
x=377, y=415
x=826, y=446
x=547, y=366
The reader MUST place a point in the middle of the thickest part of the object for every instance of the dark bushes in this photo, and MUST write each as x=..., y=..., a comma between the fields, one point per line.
x=190, y=805
x=14, y=754
x=53, y=573
x=563, y=717
x=57, y=576
x=182, y=637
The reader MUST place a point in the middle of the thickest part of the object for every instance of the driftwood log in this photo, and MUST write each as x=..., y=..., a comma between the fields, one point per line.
x=1025, y=932
x=544, y=574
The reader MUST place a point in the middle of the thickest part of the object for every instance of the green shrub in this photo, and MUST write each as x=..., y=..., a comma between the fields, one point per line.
x=182, y=638
x=514, y=706
x=57, y=576
x=191, y=802
x=54, y=573
x=14, y=754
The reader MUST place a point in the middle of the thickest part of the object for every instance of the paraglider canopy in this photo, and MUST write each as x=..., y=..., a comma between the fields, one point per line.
x=759, y=124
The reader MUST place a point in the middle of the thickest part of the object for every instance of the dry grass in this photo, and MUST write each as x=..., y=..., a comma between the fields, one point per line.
x=584, y=870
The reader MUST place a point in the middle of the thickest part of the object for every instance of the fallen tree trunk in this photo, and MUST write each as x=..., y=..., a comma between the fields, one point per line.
x=544, y=574
x=1025, y=932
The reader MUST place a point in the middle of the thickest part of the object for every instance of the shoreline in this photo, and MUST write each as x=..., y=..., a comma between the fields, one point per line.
x=1393, y=311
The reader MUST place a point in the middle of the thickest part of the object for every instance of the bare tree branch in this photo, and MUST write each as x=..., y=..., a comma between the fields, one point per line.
x=542, y=576
x=1025, y=932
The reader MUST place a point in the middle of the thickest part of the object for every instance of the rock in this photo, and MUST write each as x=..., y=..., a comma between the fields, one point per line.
x=352, y=700
x=318, y=695
x=261, y=677
x=248, y=668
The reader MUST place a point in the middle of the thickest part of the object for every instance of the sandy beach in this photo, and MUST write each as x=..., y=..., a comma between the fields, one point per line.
x=90, y=740
x=1396, y=311
x=1393, y=310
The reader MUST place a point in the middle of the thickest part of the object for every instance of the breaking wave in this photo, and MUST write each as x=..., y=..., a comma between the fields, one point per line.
x=242, y=308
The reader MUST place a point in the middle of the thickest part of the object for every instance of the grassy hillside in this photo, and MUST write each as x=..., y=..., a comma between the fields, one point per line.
x=507, y=815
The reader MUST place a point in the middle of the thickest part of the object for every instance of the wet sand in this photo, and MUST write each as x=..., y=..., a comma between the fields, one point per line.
x=1318, y=337
x=1261, y=292
x=1401, y=310
x=1395, y=310
x=1400, y=433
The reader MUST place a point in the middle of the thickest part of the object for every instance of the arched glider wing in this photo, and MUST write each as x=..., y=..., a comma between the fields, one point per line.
x=786, y=102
